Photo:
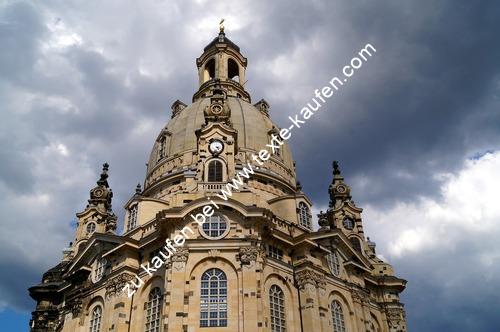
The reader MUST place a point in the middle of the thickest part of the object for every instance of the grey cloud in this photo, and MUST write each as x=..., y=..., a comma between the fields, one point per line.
x=21, y=30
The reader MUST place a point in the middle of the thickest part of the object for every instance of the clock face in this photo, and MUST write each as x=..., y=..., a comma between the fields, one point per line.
x=216, y=147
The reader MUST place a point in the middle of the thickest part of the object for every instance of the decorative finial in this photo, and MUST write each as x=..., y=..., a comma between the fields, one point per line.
x=138, y=189
x=336, y=169
x=221, y=26
x=323, y=221
x=104, y=176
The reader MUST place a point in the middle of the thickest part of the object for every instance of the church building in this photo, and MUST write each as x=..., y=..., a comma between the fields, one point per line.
x=256, y=264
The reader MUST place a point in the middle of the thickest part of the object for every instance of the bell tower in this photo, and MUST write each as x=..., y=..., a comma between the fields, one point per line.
x=221, y=63
x=98, y=216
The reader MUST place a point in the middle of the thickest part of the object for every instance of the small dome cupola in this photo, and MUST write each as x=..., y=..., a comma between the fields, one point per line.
x=221, y=64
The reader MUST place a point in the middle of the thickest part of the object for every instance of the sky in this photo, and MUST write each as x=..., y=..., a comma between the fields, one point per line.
x=416, y=131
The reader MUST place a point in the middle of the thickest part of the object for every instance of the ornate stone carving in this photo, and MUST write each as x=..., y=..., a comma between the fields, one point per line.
x=323, y=221
x=213, y=253
x=177, y=107
x=313, y=278
x=263, y=107
x=395, y=318
x=115, y=285
x=111, y=223
x=75, y=306
x=39, y=321
x=338, y=190
x=181, y=255
x=248, y=255
x=218, y=110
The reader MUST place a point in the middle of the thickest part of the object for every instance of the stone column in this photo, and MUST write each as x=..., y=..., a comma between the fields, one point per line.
x=362, y=309
x=248, y=259
x=120, y=301
x=308, y=282
x=177, y=314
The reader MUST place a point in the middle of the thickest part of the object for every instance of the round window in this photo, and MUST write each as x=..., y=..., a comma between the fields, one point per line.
x=215, y=227
x=90, y=228
x=349, y=223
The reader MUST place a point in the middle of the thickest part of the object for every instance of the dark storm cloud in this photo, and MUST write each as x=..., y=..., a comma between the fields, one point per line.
x=426, y=100
x=440, y=63
x=450, y=301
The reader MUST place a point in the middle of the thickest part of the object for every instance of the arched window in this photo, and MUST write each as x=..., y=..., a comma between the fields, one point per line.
x=233, y=70
x=277, y=308
x=277, y=150
x=213, y=299
x=209, y=71
x=81, y=246
x=355, y=243
x=99, y=269
x=215, y=227
x=215, y=171
x=349, y=223
x=90, y=228
x=153, y=311
x=304, y=218
x=337, y=317
x=132, y=217
x=333, y=263
x=162, y=148
x=95, y=321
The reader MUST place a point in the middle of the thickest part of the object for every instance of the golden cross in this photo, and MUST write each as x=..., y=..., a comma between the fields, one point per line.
x=221, y=26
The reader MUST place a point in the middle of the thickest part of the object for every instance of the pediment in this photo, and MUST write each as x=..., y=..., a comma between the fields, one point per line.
x=221, y=128
x=198, y=204
x=92, y=212
x=98, y=244
x=344, y=246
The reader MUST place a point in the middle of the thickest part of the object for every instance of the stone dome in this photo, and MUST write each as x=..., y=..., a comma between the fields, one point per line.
x=253, y=127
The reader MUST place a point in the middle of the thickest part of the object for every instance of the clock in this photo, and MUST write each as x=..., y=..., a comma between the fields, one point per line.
x=216, y=146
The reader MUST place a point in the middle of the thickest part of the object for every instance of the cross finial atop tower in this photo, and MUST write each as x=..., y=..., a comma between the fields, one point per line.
x=221, y=26
x=336, y=169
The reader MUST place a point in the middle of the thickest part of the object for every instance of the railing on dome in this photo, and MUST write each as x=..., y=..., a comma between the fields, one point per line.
x=211, y=186
x=228, y=83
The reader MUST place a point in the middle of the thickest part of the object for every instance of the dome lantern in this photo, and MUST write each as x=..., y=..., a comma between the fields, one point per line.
x=221, y=63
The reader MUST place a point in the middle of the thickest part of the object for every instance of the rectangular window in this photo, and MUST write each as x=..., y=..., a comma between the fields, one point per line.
x=274, y=252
